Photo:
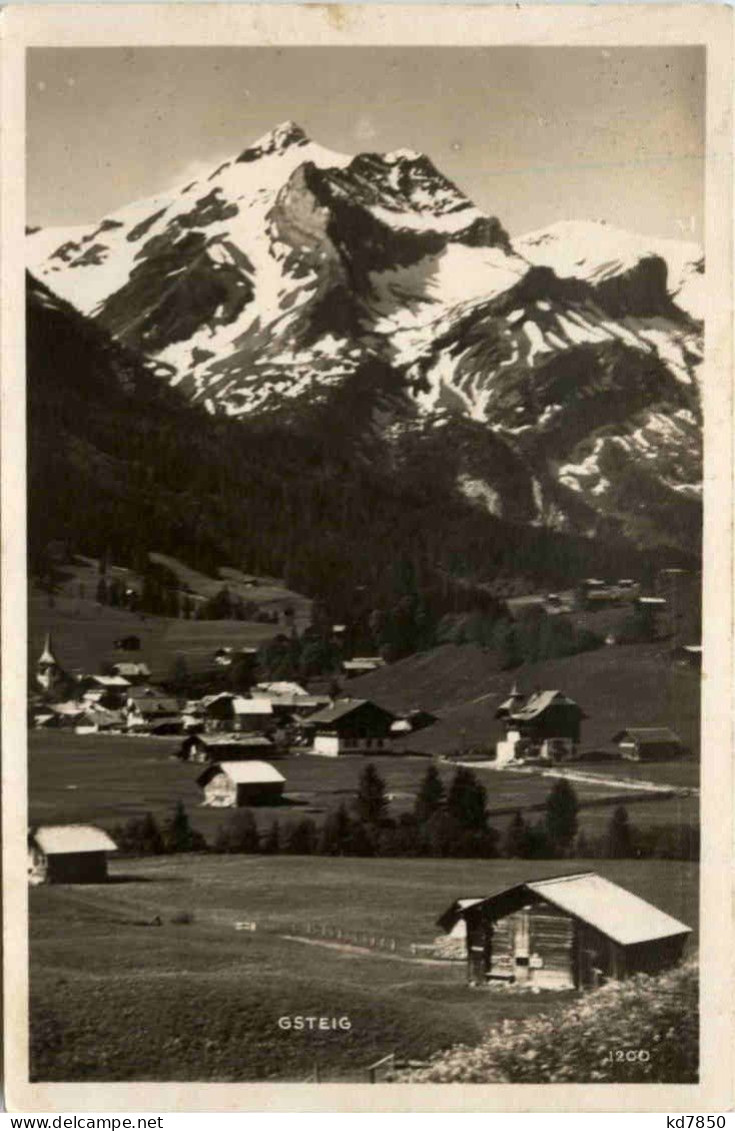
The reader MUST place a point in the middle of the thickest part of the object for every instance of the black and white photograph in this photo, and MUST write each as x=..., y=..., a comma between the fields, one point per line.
x=365, y=392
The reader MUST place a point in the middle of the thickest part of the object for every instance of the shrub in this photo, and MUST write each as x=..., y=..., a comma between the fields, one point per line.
x=658, y=1015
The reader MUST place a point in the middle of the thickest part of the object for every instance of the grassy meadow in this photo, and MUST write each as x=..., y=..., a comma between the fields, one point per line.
x=113, y=998
x=106, y=779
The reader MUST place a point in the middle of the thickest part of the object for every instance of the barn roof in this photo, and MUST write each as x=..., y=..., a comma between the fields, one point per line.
x=111, y=680
x=58, y=839
x=647, y=734
x=129, y=667
x=239, y=740
x=281, y=687
x=243, y=706
x=615, y=912
x=243, y=773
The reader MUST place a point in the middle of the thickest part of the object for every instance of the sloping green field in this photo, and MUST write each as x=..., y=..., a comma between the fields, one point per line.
x=115, y=999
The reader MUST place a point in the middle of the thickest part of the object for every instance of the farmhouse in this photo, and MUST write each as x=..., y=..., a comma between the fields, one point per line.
x=361, y=665
x=649, y=744
x=98, y=719
x=351, y=726
x=232, y=784
x=132, y=671
x=544, y=726
x=252, y=714
x=68, y=854
x=564, y=932
x=145, y=711
x=224, y=747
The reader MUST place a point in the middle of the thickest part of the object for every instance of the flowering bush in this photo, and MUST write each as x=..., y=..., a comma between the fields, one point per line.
x=643, y=1030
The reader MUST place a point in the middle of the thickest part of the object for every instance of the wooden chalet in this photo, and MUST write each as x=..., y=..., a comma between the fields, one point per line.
x=229, y=712
x=649, y=744
x=544, y=726
x=68, y=854
x=147, y=710
x=220, y=747
x=351, y=726
x=234, y=784
x=564, y=932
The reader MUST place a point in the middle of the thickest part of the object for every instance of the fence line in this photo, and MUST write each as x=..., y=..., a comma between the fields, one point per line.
x=333, y=932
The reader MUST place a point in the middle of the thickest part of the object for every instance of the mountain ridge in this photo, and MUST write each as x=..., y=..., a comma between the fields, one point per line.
x=290, y=276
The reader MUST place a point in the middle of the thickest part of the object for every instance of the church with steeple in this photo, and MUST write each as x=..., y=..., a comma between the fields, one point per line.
x=49, y=672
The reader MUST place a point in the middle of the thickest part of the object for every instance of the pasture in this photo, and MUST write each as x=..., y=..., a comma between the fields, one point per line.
x=624, y=686
x=84, y=633
x=113, y=998
x=106, y=779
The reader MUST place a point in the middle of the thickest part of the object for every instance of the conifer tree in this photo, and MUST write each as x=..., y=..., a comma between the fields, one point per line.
x=466, y=800
x=431, y=795
x=371, y=803
x=561, y=816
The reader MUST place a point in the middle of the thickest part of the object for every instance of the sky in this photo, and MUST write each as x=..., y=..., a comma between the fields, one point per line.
x=531, y=134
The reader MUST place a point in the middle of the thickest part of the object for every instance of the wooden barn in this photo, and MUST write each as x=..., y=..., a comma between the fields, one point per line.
x=224, y=747
x=233, y=784
x=649, y=744
x=351, y=726
x=68, y=854
x=564, y=932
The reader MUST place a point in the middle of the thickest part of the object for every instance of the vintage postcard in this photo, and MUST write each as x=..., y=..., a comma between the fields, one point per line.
x=367, y=592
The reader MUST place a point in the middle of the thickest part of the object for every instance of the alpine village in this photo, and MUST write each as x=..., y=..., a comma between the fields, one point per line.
x=364, y=648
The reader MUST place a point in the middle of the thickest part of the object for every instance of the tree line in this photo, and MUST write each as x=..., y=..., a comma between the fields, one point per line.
x=444, y=822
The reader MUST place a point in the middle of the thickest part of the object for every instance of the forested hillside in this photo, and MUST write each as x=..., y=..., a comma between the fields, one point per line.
x=120, y=464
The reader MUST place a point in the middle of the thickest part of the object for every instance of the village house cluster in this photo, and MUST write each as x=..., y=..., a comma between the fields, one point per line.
x=562, y=932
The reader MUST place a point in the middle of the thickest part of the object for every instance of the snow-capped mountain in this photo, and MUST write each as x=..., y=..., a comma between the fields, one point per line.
x=606, y=257
x=281, y=280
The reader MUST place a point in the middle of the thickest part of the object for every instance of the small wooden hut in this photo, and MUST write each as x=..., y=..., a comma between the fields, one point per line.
x=68, y=854
x=232, y=784
x=564, y=932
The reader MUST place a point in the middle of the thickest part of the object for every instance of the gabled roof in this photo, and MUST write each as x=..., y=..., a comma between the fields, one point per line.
x=146, y=691
x=341, y=709
x=281, y=687
x=111, y=681
x=243, y=706
x=58, y=839
x=648, y=734
x=157, y=706
x=615, y=912
x=242, y=773
x=537, y=703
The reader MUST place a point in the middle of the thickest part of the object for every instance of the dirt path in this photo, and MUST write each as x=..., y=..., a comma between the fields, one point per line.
x=637, y=785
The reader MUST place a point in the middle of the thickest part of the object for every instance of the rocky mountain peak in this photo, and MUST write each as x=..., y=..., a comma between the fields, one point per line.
x=284, y=136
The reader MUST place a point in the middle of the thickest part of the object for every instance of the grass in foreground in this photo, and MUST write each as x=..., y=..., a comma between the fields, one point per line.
x=642, y=1031
x=115, y=999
